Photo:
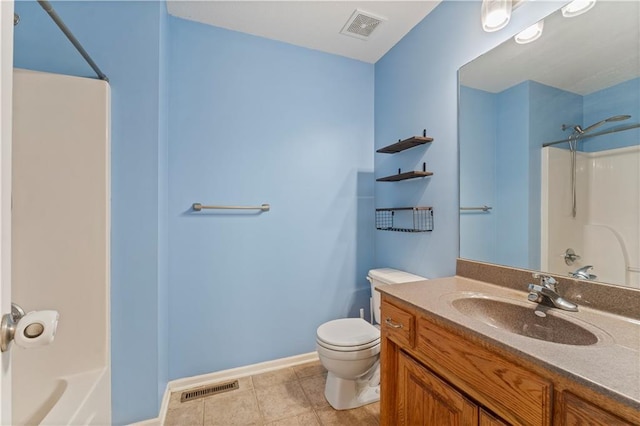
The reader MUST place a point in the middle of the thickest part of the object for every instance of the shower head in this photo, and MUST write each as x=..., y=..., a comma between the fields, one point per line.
x=600, y=123
x=578, y=130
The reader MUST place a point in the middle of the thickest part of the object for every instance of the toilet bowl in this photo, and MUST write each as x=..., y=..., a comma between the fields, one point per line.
x=349, y=349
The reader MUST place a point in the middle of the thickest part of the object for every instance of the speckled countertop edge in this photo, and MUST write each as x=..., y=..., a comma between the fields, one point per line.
x=611, y=368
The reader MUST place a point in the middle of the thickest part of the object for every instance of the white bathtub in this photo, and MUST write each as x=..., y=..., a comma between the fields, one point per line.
x=78, y=399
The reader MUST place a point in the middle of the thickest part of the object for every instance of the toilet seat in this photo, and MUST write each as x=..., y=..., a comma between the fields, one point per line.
x=346, y=355
x=347, y=334
x=348, y=348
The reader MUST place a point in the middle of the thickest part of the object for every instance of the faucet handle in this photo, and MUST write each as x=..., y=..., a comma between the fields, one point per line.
x=534, y=297
x=546, y=280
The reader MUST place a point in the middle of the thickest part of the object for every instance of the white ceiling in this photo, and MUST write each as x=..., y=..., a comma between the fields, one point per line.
x=583, y=54
x=311, y=24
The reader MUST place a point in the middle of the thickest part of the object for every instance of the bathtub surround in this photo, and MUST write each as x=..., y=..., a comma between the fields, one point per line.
x=606, y=228
x=310, y=184
x=60, y=245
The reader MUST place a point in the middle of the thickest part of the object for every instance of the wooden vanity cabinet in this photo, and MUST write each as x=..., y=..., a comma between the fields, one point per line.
x=577, y=411
x=433, y=375
x=425, y=399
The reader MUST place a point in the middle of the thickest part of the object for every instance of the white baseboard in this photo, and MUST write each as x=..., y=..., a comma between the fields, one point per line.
x=149, y=422
x=233, y=373
x=163, y=407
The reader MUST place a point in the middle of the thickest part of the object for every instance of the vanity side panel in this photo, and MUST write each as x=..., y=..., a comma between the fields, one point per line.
x=576, y=411
x=389, y=380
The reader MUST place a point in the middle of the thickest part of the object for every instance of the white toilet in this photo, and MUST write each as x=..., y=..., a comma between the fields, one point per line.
x=349, y=349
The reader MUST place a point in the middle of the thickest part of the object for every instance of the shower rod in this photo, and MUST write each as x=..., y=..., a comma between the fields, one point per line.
x=67, y=32
x=591, y=135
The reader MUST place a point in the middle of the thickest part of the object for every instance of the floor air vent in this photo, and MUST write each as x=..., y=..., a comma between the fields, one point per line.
x=202, y=392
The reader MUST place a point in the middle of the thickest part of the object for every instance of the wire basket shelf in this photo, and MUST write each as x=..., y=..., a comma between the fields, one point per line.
x=405, y=219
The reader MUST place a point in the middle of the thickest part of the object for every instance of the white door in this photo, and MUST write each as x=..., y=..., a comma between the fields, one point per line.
x=6, y=84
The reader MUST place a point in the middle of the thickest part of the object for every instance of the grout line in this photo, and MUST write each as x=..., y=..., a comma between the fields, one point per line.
x=204, y=408
x=263, y=421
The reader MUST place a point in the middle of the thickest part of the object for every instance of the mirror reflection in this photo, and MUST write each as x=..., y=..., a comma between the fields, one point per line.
x=549, y=140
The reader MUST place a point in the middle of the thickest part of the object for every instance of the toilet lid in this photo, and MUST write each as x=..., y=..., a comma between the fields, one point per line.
x=348, y=332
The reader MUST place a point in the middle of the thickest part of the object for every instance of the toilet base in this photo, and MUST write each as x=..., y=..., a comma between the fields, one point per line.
x=343, y=394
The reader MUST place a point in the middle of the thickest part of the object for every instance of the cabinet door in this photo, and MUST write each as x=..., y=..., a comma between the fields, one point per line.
x=488, y=419
x=577, y=412
x=424, y=399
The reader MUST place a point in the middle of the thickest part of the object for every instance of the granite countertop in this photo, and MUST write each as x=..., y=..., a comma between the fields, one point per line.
x=611, y=366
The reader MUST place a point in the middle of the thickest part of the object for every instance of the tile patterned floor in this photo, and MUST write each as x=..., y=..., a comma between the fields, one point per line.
x=287, y=397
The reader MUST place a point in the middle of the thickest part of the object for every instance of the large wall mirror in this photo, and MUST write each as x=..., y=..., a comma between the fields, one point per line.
x=549, y=140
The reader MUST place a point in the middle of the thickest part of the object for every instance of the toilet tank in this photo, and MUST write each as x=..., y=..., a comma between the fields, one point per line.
x=387, y=276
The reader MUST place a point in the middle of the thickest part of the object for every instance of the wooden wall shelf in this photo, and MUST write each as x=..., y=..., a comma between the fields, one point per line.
x=405, y=144
x=404, y=176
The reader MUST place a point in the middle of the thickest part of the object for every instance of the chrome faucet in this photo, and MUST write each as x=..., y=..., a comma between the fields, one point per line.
x=583, y=273
x=546, y=292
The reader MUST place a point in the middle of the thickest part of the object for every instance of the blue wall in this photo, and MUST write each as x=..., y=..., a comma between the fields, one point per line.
x=256, y=121
x=416, y=87
x=512, y=176
x=163, y=207
x=124, y=40
x=478, y=133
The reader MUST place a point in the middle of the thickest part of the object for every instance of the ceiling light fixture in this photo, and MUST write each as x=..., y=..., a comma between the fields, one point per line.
x=577, y=7
x=530, y=34
x=495, y=14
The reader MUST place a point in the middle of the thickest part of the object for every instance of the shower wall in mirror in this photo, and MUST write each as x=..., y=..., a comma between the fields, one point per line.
x=547, y=123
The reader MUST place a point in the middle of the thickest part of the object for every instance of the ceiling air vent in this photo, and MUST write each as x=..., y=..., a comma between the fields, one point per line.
x=361, y=24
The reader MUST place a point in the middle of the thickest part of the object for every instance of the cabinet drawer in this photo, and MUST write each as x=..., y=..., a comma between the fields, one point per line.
x=398, y=324
x=517, y=395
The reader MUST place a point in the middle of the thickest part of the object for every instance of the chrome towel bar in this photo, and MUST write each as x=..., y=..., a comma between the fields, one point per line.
x=483, y=208
x=198, y=207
